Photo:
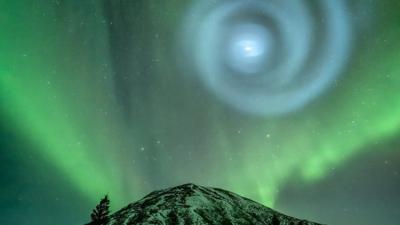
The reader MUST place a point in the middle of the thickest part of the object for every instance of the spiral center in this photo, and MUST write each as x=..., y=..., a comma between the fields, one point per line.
x=249, y=48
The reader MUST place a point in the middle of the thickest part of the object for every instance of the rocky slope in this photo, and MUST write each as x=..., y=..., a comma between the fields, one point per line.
x=191, y=204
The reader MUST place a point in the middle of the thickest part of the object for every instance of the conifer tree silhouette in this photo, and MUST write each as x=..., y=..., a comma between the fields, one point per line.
x=100, y=215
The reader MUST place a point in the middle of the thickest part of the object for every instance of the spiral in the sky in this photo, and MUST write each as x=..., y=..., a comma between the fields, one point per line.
x=267, y=57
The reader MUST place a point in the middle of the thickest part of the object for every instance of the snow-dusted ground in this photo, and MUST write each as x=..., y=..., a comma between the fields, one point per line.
x=191, y=204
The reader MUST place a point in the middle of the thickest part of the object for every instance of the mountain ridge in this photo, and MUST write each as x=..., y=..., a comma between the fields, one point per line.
x=189, y=204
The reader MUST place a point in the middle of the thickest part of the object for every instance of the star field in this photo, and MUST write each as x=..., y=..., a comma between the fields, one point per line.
x=294, y=105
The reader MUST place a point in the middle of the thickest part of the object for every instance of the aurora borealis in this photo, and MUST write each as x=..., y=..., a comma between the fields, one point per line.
x=123, y=97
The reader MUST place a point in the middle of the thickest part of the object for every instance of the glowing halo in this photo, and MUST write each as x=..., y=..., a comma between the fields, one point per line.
x=267, y=57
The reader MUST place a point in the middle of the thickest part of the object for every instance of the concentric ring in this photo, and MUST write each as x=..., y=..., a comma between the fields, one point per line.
x=301, y=46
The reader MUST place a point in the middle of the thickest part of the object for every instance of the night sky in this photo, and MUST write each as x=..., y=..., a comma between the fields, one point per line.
x=294, y=104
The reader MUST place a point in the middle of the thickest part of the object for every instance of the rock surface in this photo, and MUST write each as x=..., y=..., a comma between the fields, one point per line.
x=191, y=204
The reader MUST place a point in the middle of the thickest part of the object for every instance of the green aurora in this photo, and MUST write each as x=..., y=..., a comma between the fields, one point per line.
x=57, y=90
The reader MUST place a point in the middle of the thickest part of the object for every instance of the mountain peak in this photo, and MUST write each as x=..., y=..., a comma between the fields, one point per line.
x=193, y=204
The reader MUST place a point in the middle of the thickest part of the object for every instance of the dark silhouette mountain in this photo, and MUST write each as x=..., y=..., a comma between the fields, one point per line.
x=191, y=204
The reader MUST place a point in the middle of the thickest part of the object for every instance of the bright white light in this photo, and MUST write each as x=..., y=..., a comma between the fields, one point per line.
x=249, y=48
